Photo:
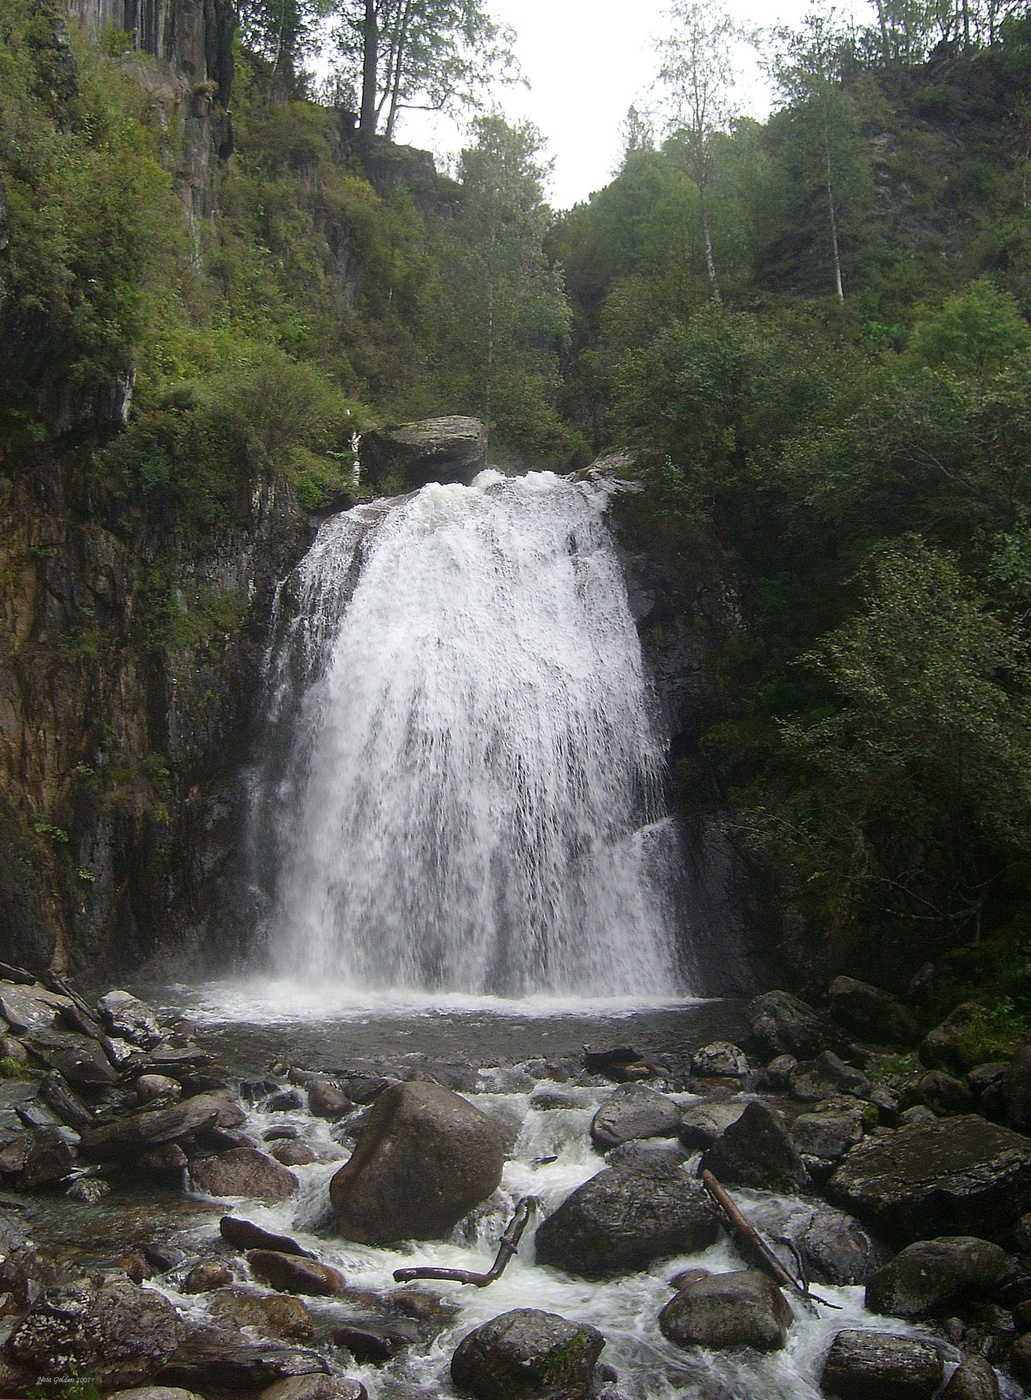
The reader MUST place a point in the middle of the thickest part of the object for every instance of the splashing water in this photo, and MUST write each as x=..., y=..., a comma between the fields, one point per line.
x=461, y=782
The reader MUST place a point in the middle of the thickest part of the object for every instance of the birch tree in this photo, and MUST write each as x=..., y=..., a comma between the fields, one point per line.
x=698, y=71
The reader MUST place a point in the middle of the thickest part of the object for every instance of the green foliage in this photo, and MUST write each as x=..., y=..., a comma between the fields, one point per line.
x=976, y=332
x=43, y=826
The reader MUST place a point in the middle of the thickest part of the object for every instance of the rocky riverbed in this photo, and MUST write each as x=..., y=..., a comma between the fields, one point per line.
x=168, y=1221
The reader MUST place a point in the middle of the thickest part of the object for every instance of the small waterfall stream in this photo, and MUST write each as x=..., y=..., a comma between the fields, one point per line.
x=460, y=784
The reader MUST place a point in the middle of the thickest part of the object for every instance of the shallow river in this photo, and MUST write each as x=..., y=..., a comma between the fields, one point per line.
x=485, y=1044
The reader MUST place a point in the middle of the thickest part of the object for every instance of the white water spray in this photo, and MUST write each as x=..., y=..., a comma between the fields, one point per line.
x=464, y=794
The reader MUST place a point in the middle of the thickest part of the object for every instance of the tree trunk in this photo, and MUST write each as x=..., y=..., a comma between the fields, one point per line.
x=397, y=68
x=710, y=261
x=833, y=214
x=370, y=63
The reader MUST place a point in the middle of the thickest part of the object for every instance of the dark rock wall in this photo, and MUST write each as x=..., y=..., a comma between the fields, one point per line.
x=119, y=751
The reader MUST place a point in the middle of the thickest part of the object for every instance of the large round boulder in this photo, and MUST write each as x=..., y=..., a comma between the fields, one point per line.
x=957, y=1174
x=783, y=1024
x=742, y=1309
x=527, y=1353
x=932, y=1274
x=425, y=1159
x=881, y=1366
x=835, y=1248
x=624, y=1218
x=872, y=1013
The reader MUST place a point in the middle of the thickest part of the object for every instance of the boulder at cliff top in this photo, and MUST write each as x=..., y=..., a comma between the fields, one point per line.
x=624, y=1218
x=425, y=1159
x=955, y=1174
x=527, y=1353
x=434, y=449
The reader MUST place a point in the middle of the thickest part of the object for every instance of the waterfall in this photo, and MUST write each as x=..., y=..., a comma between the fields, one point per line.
x=460, y=779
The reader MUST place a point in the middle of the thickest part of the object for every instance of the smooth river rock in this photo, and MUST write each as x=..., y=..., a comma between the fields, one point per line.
x=425, y=1159
x=757, y=1151
x=740, y=1309
x=961, y=1175
x=624, y=1218
x=525, y=1354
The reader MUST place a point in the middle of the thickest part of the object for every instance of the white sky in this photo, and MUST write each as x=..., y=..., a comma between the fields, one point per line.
x=587, y=61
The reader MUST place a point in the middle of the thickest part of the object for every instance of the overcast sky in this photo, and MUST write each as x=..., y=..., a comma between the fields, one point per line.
x=587, y=61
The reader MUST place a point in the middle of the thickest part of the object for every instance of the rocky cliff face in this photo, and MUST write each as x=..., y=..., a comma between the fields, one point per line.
x=127, y=660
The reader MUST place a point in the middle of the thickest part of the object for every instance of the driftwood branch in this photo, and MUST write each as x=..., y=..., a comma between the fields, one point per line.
x=507, y=1247
x=755, y=1247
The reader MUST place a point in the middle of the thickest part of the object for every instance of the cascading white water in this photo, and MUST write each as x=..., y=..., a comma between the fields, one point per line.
x=464, y=794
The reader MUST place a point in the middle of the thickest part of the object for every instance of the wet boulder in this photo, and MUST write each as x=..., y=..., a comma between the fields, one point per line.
x=881, y=1366
x=932, y=1274
x=151, y=1088
x=292, y=1273
x=243, y=1234
x=623, y=1219
x=741, y=1309
x=829, y=1132
x=115, y=1333
x=973, y=1379
x=227, y=1364
x=701, y=1124
x=433, y=449
x=377, y=1339
x=957, y=1174
x=426, y=1158
x=871, y=1013
x=826, y=1076
x=126, y=1137
x=206, y=1275
x=284, y=1317
x=130, y=1019
x=154, y=1392
x=757, y=1151
x=634, y=1111
x=49, y=1158
x=783, y=1024
x=30, y=1008
x=720, y=1059
x=836, y=1248
x=243, y=1171
x=526, y=1354
x=1006, y=1098
x=955, y=1044
x=326, y=1100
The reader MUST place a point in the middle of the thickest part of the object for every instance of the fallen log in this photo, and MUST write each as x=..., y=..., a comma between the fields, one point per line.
x=507, y=1247
x=755, y=1248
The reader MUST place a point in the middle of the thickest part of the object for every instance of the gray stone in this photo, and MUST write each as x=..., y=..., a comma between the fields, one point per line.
x=243, y=1171
x=881, y=1366
x=292, y=1154
x=426, y=1158
x=836, y=1248
x=871, y=1013
x=157, y=1086
x=785, y=1025
x=743, y=1309
x=623, y=1219
x=720, y=1059
x=49, y=1159
x=207, y=1274
x=959, y=1174
x=701, y=1124
x=126, y=1137
x=1007, y=1098
x=955, y=1044
x=325, y=1100
x=130, y=1019
x=30, y=1008
x=434, y=449
x=944, y=1094
x=932, y=1274
x=525, y=1354
x=377, y=1339
x=780, y=1069
x=115, y=1333
x=826, y=1076
x=153, y=1392
x=757, y=1151
x=225, y=1364
x=973, y=1379
x=634, y=1111
x=828, y=1134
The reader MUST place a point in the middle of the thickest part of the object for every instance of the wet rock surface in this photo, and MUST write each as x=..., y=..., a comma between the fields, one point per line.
x=525, y=1354
x=426, y=1158
x=625, y=1218
x=931, y=1274
x=744, y=1309
x=881, y=1366
x=634, y=1111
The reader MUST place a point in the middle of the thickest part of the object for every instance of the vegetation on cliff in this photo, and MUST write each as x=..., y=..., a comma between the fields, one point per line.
x=812, y=331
